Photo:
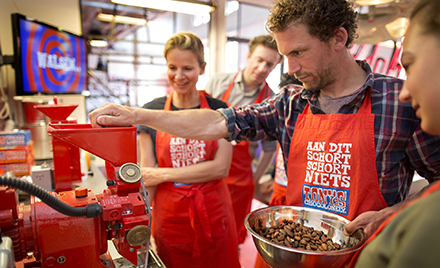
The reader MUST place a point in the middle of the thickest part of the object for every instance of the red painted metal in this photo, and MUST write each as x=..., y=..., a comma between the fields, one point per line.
x=117, y=145
x=56, y=240
x=66, y=156
x=57, y=113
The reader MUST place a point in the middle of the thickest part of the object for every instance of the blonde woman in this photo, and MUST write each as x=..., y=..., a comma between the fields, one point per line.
x=193, y=222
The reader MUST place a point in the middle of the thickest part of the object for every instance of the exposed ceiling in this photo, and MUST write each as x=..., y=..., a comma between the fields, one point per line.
x=91, y=26
x=371, y=28
x=91, y=8
x=373, y=20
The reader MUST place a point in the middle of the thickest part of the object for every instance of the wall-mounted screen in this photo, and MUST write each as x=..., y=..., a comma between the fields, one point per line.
x=47, y=59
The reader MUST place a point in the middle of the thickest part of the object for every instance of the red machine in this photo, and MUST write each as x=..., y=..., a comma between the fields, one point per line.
x=75, y=231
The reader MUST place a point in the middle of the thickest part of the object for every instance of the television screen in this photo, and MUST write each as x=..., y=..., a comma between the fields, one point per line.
x=47, y=59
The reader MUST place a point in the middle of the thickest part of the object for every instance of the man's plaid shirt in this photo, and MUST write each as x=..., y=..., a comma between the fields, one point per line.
x=401, y=146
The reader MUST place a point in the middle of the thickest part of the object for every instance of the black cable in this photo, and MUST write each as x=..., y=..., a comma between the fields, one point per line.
x=91, y=210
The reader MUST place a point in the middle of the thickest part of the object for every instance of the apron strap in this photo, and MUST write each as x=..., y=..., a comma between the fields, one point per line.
x=264, y=93
x=197, y=204
x=225, y=96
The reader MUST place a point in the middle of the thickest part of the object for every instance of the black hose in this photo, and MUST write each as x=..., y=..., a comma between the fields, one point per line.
x=91, y=210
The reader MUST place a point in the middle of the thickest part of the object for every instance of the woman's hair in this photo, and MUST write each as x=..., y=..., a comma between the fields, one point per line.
x=186, y=41
x=322, y=17
x=427, y=13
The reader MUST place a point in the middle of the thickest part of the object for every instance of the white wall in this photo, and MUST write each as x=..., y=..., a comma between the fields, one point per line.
x=61, y=13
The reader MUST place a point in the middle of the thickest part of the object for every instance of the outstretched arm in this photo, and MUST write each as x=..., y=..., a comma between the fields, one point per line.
x=198, y=124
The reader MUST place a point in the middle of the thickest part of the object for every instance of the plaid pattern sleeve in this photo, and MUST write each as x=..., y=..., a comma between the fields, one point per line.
x=401, y=147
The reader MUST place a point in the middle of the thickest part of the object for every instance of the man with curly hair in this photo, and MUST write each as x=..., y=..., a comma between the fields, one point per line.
x=349, y=146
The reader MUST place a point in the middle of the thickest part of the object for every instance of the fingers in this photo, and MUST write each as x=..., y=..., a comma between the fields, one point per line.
x=108, y=115
x=367, y=221
x=349, y=229
x=107, y=120
x=362, y=221
x=94, y=115
x=100, y=121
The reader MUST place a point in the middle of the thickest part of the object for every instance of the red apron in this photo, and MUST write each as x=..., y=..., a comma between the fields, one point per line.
x=240, y=179
x=193, y=224
x=332, y=163
x=278, y=197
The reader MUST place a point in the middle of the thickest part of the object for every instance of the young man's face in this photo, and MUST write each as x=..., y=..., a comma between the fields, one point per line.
x=309, y=59
x=421, y=59
x=259, y=64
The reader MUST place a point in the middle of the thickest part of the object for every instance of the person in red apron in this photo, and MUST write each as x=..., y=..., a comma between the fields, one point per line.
x=193, y=222
x=244, y=88
x=240, y=179
x=327, y=150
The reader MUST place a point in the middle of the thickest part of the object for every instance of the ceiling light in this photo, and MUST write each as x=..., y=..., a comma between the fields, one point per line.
x=397, y=28
x=121, y=19
x=98, y=43
x=372, y=2
x=192, y=8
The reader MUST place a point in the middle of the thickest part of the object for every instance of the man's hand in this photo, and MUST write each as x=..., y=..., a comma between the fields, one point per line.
x=369, y=221
x=266, y=187
x=113, y=115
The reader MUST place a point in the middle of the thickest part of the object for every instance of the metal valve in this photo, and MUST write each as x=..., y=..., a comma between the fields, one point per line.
x=138, y=235
x=130, y=173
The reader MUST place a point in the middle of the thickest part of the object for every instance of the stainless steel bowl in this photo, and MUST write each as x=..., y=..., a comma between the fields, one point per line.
x=284, y=257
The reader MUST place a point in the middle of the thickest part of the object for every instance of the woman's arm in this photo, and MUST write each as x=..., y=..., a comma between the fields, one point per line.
x=147, y=160
x=217, y=168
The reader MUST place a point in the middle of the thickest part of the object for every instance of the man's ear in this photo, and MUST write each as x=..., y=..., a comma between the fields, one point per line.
x=340, y=38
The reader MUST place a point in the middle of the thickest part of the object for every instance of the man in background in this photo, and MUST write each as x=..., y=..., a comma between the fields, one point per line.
x=247, y=87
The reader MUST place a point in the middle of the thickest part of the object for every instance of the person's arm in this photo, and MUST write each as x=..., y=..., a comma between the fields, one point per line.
x=217, y=168
x=198, y=124
x=147, y=160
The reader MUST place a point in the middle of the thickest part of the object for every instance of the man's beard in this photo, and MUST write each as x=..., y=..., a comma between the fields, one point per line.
x=324, y=77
